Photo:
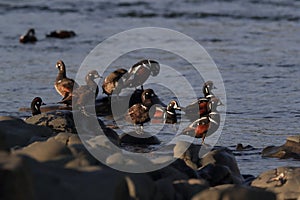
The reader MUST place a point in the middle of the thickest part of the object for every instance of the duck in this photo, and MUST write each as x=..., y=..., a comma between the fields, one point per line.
x=29, y=37
x=61, y=34
x=113, y=83
x=36, y=104
x=140, y=72
x=64, y=85
x=84, y=94
x=199, y=107
x=205, y=125
x=138, y=114
x=166, y=115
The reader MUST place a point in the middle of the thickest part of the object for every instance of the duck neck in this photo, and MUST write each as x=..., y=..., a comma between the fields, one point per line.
x=35, y=110
x=61, y=74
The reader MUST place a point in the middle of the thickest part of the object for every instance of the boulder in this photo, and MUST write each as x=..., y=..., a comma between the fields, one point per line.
x=189, y=153
x=15, y=178
x=59, y=121
x=15, y=132
x=134, y=138
x=186, y=189
x=220, y=167
x=234, y=192
x=45, y=150
x=284, y=181
x=136, y=186
x=291, y=149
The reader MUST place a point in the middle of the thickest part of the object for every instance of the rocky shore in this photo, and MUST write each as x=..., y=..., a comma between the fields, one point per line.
x=43, y=158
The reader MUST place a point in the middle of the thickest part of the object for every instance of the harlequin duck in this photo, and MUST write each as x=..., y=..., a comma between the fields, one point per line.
x=29, y=37
x=61, y=34
x=206, y=89
x=200, y=105
x=166, y=115
x=36, y=104
x=83, y=94
x=63, y=85
x=205, y=125
x=140, y=72
x=114, y=82
x=138, y=114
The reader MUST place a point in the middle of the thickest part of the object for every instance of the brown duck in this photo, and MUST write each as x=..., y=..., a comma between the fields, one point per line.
x=113, y=83
x=61, y=34
x=29, y=37
x=85, y=94
x=138, y=114
x=64, y=85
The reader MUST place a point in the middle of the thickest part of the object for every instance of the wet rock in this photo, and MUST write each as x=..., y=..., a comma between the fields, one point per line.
x=220, y=167
x=189, y=153
x=234, y=192
x=291, y=149
x=284, y=181
x=134, y=138
x=15, y=178
x=15, y=132
x=59, y=121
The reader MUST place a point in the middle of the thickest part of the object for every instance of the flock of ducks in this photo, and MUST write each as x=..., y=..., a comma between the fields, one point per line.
x=29, y=36
x=203, y=113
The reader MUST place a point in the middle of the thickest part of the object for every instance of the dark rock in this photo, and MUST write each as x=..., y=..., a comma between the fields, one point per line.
x=15, y=132
x=189, y=153
x=220, y=167
x=291, y=149
x=188, y=188
x=144, y=139
x=15, y=178
x=284, y=181
x=234, y=192
x=248, y=178
x=59, y=121
x=181, y=166
x=168, y=172
x=166, y=189
x=136, y=186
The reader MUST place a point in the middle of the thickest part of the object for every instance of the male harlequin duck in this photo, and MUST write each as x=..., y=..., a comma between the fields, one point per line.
x=166, y=115
x=29, y=37
x=83, y=95
x=63, y=85
x=61, y=34
x=140, y=72
x=138, y=114
x=206, y=125
x=36, y=104
x=199, y=107
x=113, y=83
x=207, y=89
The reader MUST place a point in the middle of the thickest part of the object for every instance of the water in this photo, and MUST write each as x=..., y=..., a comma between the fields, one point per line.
x=255, y=45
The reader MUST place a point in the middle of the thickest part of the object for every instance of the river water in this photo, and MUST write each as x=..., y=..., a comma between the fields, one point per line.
x=255, y=45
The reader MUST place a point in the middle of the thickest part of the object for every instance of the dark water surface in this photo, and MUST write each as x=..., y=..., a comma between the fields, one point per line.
x=255, y=45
